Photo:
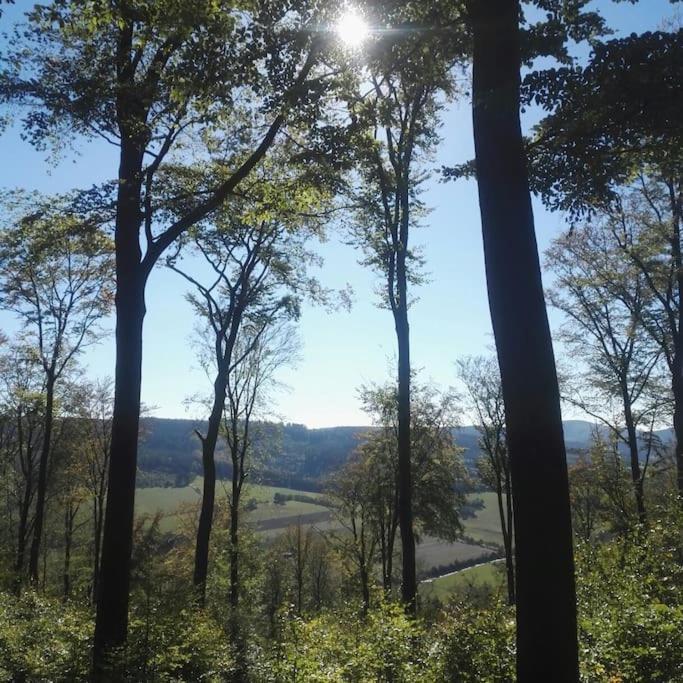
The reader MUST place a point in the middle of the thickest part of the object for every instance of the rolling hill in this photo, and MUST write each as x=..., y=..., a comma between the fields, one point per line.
x=290, y=455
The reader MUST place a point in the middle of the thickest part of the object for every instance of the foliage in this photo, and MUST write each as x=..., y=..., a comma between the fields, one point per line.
x=43, y=639
x=630, y=595
x=437, y=470
x=341, y=646
x=476, y=644
x=607, y=120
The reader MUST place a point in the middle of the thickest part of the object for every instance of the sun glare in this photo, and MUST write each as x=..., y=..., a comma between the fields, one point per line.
x=352, y=28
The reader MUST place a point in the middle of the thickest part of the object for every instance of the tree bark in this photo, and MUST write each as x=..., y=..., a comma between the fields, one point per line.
x=41, y=491
x=546, y=599
x=234, y=552
x=23, y=530
x=68, y=540
x=677, y=361
x=634, y=458
x=98, y=518
x=111, y=622
x=201, y=556
x=405, y=486
x=507, y=541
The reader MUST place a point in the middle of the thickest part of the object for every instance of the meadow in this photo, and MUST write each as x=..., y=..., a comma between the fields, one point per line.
x=270, y=518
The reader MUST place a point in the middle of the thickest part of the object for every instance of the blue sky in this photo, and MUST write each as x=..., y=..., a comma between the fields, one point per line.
x=344, y=349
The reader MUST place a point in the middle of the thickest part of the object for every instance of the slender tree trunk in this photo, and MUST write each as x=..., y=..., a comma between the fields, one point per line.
x=509, y=545
x=234, y=548
x=98, y=518
x=405, y=486
x=636, y=474
x=365, y=586
x=677, y=375
x=22, y=537
x=41, y=491
x=22, y=532
x=117, y=540
x=546, y=601
x=506, y=543
x=68, y=540
x=201, y=555
x=677, y=390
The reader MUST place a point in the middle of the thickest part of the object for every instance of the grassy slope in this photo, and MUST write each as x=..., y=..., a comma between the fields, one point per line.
x=475, y=577
x=485, y=525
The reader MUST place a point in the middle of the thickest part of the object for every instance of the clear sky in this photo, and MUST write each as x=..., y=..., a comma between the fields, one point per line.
x=341, y=350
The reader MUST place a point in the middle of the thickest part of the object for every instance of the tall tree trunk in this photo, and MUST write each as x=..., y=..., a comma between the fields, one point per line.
x=234, y=537
x=546, y=600
x=41, y=491
x=506, y=541
x=22, y=536
x=98, y=518
x=68, y=540
x=201, y=555
x=111, y=622
x=405, y=486
x=677, y=375
x=636, y=473
x=22, y=531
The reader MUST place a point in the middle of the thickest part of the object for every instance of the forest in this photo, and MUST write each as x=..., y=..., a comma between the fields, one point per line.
x=462, y=533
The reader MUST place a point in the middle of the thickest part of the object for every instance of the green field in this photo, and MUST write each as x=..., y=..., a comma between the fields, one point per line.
x=484, y=527
x=490, y=574
x=269, y=520
x=169, y=501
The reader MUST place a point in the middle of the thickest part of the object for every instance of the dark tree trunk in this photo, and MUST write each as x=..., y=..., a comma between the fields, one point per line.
x=234, y=537
x=23, y=530
x=98, y=519
x=22, y=537
x=405, y=486
x=41, y=491
x=636, y=473
x=509, y=543
x=546, y=600
x=68, y=540
x=201, y=556
x=111, y=622
x=503, y=514
x=365, y=587
x=677, y=364
x=677, y=389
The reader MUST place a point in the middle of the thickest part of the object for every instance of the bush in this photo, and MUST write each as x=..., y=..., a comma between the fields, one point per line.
x=342, y=645
x=476, y=645
x=43, y=639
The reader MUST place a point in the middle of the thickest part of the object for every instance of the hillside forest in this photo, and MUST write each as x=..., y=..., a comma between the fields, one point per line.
x=466, y=533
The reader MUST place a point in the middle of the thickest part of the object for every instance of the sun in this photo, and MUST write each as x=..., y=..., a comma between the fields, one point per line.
x=352, y=28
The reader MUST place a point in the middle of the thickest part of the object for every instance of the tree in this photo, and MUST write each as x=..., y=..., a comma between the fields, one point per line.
x=263, y=347
x=545, y=591
x=397, y=122
x=611, y=143
x=355, y=511
x=23, y=409
x=439, y=474
x=256, y=271
x=95, y=410
x=151, y=78
x=56, y=275
x=605, y=301
x=481, y=378
x=585, y=498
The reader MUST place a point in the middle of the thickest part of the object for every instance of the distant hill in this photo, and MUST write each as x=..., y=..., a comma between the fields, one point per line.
x=290, y=455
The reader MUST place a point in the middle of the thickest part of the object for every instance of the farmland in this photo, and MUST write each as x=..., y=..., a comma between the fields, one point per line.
x=269, y=518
